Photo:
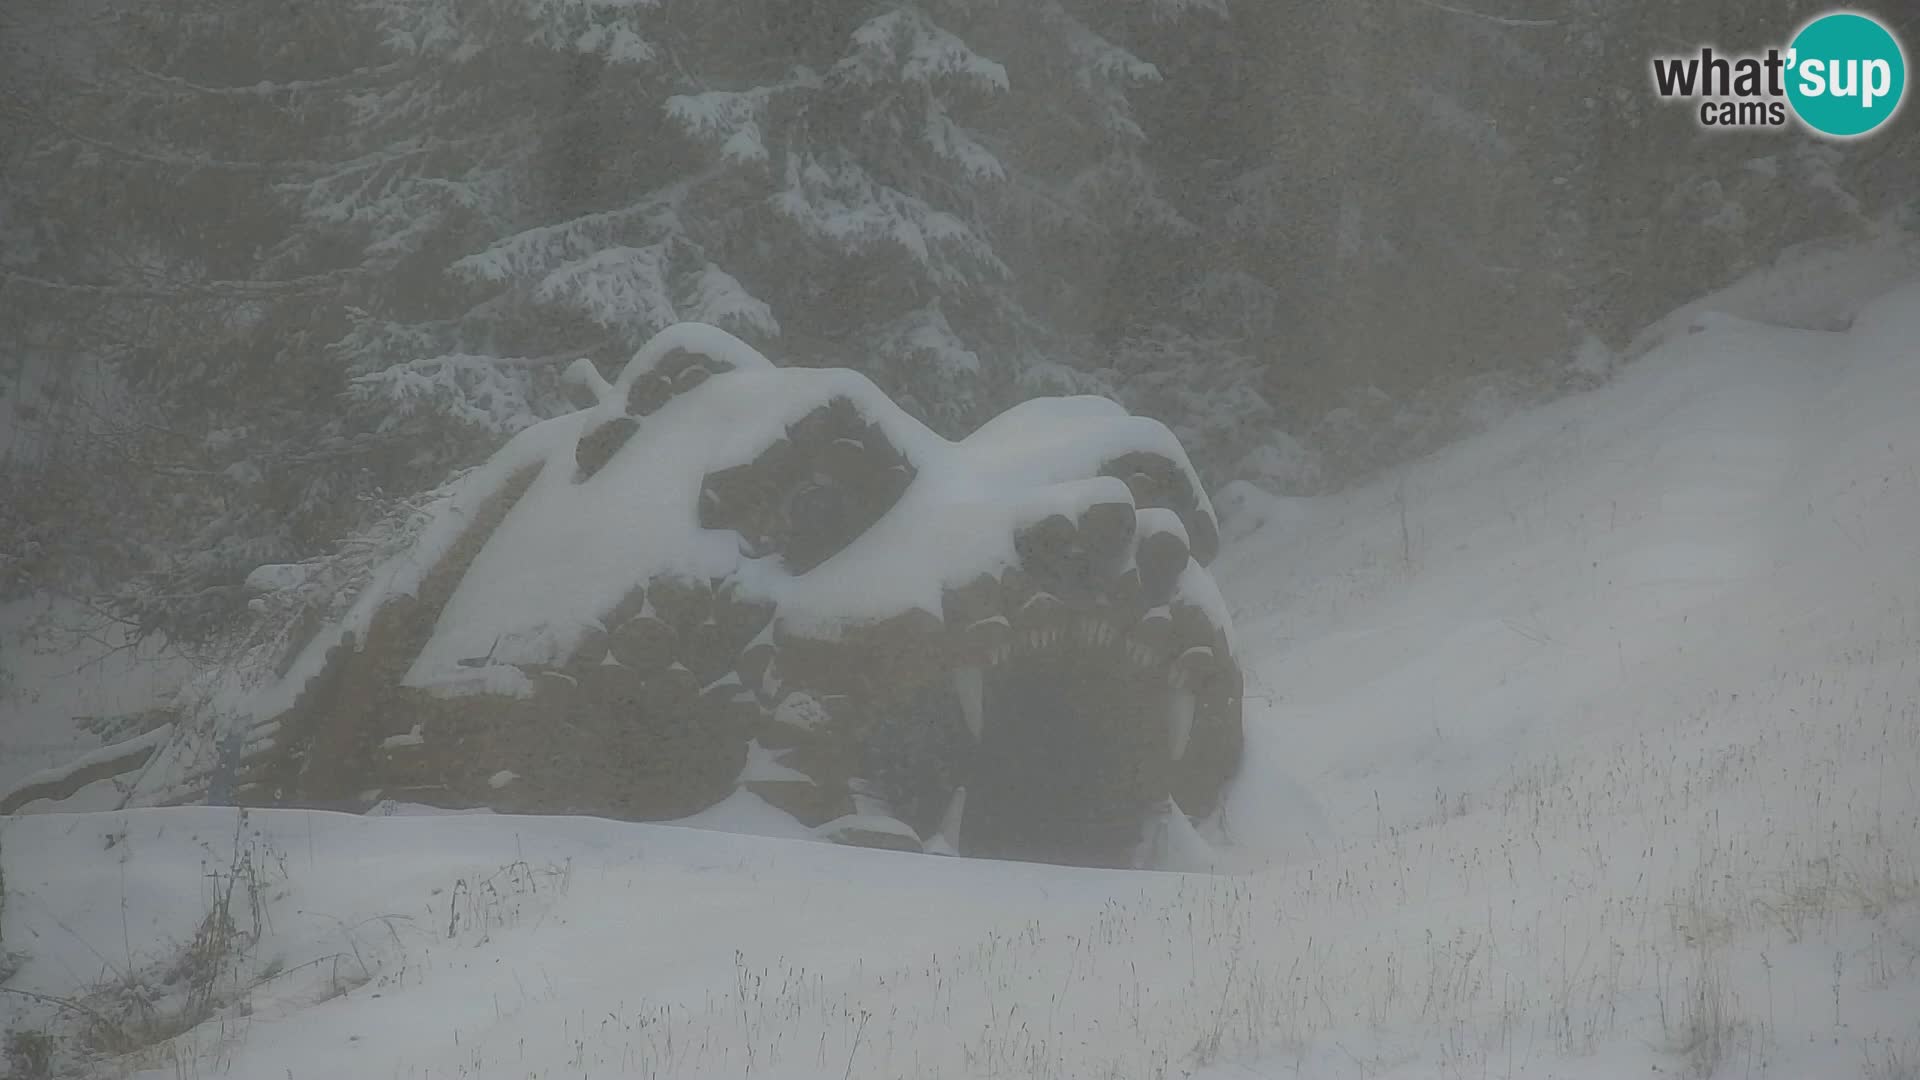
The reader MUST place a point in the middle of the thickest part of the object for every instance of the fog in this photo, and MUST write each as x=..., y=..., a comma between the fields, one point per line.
x=1197, y=437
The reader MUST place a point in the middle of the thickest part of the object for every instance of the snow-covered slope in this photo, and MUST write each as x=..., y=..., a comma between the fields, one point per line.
x=1586, y=748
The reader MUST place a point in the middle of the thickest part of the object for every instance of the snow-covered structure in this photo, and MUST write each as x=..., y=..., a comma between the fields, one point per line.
x=729, y=580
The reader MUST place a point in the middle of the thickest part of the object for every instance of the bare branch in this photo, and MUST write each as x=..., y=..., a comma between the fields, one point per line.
x=228, y=289
x=1503, y=20
x=170, y=160
x=349, y=80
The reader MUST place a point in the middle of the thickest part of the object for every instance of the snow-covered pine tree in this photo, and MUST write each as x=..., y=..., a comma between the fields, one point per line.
x=1209, y=326
x=935, y=193
x=335, y=264
x=162, y=434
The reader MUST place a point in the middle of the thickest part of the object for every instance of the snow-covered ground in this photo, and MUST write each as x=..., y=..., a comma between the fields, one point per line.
x=1587, y=748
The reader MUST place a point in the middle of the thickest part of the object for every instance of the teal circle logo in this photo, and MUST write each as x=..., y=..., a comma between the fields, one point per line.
x=1846, y=75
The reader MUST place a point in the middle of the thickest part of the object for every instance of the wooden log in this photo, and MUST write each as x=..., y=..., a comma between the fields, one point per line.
x=645, y=643
x=1105, y=529
x=1161, y=554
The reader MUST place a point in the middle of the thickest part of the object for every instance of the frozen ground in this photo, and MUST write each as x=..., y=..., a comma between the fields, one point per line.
x=1587, y=748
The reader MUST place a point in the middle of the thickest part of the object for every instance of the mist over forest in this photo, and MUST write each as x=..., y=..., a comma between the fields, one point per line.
x=861, y=539
x=267, y=270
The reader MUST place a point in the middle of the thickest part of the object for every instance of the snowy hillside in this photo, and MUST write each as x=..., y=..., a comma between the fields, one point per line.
x=1585, y=748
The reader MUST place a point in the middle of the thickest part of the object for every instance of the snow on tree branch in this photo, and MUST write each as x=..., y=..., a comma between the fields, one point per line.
x=904, y=45
x=472, y=389
x=717, y=297
x=735, y=120
x=618, y=287
x=841, y=203
x=606, y=28
x=537, y=252
x=1096, y=57
x=920, y=353
x=956, y=144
